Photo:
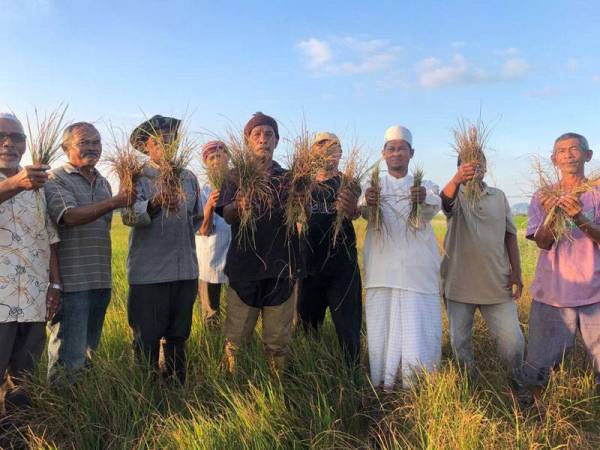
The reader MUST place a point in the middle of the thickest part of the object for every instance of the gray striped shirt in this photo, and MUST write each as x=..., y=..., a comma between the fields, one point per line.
x=84, y=251
x=162, y=248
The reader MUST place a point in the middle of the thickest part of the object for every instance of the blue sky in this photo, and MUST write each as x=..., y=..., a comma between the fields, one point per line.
x=354, y=68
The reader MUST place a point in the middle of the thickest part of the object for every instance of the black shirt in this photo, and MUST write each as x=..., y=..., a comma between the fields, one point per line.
x=322, y=257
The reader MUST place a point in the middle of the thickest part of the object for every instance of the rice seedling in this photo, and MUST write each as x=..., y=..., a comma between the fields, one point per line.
x=470, y=144
x=216, y=175
x=252, y=183
x=351, y=176
x=375, y=214
x=44, y=136
x=548, y=183
x=305, y=162
x=124, y=162
x=415, y=217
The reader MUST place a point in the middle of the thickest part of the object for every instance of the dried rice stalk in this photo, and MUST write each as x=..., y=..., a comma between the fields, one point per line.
x=216, y=175
x=44, y=136
x=375, y=216
x=470, y=143
x=124, y=162
x=415, y=217
x=248, y=175
x=548, y=183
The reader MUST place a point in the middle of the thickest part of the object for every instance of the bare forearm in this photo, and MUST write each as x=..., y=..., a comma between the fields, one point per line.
x=8, y=189
x=54, y=269
x=85, y=214
x=512, y=247
x=591, y=229
x=206, y=228
x=544, y=238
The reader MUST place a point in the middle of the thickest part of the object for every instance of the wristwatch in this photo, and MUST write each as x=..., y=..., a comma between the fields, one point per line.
x=55, y=286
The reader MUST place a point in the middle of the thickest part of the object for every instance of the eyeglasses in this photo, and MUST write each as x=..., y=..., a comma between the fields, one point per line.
x=17, y=138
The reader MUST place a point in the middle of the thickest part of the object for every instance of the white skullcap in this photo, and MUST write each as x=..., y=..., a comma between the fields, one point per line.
x=397, y=132
x=9, y=116
x=325, y=136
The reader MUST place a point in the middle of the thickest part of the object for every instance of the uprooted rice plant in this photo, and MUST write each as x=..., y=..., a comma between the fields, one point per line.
x=375, y=214
x=124, y=162
x=44, y=134
x=415, y=216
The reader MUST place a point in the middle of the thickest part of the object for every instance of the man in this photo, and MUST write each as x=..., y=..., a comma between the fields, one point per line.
x=333, y=276
x=80, y=203
x=29, y=276
x=162, y=266
x=481, y=266
x=214, y=236
x=401, y=264
x=262, y=274
x=566, y=287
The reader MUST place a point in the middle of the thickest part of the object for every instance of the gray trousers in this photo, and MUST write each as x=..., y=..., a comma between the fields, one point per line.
x=21, y=345
x=552, y=333
x=503, y=322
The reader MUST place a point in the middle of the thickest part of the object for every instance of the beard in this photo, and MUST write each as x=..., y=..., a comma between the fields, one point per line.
x=11, y=163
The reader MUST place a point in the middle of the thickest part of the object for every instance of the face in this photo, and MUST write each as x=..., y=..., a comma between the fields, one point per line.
x=12, y=144
x=156, y=143
x=84, y=148
x=569, y=157
x=332, y=152
x=219, y=158
x=263, y=141
x=397, y=154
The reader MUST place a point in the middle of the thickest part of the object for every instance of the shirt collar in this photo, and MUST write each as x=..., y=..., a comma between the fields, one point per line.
x=70, y=168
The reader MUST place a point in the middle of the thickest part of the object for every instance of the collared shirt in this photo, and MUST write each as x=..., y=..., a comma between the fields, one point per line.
x=475, y=268
x=85, y=250
x=398, y=257
x=567, y=275
x=162, y=248
x=26, y=234
x=212, y=249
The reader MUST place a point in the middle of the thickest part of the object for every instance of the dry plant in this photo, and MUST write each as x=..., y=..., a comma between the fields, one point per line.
x=252, y=183
x=547, y=183
x=216, y=175
x=415, y=217
x=470, y=143
x=355, y=169
x=375, y=214
x=124, y=162
x=45, y=136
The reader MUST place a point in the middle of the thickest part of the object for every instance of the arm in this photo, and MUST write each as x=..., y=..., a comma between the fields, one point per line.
x=53, y=294
x=27, y=179
x=206, y=228
x=543, y=236
x=85, y=214
x=515, y=277
x=572, y=206
x=464, y=173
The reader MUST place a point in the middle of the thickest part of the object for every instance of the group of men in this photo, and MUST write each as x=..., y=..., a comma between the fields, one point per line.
x=55, y=261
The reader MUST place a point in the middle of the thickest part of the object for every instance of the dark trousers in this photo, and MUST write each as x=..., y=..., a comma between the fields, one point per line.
x=342, y=294
x=21, y=345
x=162, y=311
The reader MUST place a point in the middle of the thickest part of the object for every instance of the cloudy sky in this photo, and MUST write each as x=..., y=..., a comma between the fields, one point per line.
x=530, y=69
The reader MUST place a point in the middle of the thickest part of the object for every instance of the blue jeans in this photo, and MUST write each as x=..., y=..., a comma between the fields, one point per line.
x=75, y=334
x=503, y=322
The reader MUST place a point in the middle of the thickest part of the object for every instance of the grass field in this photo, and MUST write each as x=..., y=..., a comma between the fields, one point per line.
x=317, y=404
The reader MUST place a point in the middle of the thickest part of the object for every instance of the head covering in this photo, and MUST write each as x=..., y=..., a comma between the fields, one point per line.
x=325, y=136
x=10, y=116
x=212, y=147
x=150, y=127
x=259, y=119
x=398, y=132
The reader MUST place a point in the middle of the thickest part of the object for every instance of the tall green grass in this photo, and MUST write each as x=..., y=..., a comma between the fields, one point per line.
x=318, y=403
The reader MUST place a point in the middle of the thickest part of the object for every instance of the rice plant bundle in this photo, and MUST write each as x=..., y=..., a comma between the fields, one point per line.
x=44, y=136
x=470, y=143
x=548, y=184
x=125, y=163
x=252, y=183
x=375, y=215
x=216, y=174
x=415, y=217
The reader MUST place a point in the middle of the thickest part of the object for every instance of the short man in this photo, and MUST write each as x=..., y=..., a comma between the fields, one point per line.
x=566, y=288
x=162, y=266
x=29, y=275
x=262, y=274
x=212, y=241
x=480, y=267
x=333, y=276
x=401, y=264
x=80, y=202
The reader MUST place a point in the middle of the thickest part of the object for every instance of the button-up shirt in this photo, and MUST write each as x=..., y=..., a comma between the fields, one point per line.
x=162, y=248
x=85, y=250
x=26, y=234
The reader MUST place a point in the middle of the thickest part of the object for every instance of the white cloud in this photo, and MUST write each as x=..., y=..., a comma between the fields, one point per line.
x=348, y=55
x=317, y=51
x=431, y=72
x=515, y=68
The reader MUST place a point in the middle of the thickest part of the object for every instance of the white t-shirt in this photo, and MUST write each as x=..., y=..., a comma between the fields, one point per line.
x=398, y=256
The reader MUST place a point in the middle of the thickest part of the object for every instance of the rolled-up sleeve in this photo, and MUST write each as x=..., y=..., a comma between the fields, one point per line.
x=433, y=201
x=58, y=200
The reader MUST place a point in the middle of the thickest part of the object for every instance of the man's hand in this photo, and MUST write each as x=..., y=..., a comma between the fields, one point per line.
x=418, y=194
x=372, y=196
x=124, y=199
x=515, y=284
x=548, y=202
x=52, y=302
x=32, y=177
x=211, y=203
x=465, y=172
x=347, y=201
x=241, y=203
x=570, y=204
